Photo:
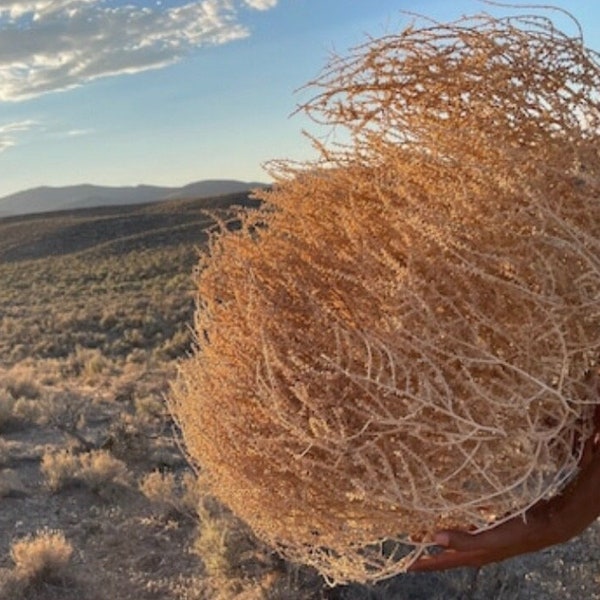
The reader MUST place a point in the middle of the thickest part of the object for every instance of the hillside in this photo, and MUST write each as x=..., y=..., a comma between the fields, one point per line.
x=48, y=199
x=111, y=229
x=116, y=279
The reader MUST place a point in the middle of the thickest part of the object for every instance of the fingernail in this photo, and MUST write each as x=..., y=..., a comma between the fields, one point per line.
x=441, y=539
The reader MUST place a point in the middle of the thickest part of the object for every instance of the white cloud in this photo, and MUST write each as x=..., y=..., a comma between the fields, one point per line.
x=9, y=132
x=78, y=132
x=17, y=126
x=50, y=45
x=36, y=8
x=261, y=4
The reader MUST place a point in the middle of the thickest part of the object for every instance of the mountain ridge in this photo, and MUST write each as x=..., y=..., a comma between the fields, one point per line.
x=44, y=199
x=117, y=230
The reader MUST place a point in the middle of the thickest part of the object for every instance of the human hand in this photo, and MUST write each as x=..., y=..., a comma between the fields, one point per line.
x=547, y=523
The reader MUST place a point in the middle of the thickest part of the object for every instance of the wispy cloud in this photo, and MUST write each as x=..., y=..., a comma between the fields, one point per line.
x=50, y=45
x=9, y=132
x=261, y=4
x=17, y=126
x=78, y=132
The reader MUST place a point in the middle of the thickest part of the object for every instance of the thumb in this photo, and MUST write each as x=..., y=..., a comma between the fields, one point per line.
x=456, y=540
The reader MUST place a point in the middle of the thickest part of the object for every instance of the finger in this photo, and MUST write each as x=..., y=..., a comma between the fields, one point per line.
x=463, y=541
x=450, y=559
x=507, y=534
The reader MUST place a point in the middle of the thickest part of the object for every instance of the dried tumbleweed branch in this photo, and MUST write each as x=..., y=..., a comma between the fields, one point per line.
x=400, y=340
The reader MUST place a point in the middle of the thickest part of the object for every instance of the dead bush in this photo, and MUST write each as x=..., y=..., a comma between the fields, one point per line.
x=163, y=489
x=398, y=342
x=43, y=557
x=59, y=469
x=97, y=470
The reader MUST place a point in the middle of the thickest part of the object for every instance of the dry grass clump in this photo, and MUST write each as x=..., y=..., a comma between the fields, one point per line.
x=181, y=497
x=236, y=564
x=20, y=383
x=97, y=469
x=59, y=468
x=400, y=341
x=43, y=557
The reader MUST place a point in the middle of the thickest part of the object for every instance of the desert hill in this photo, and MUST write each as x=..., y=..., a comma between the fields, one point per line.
x=114, y=279
x=112, y=229
x=47, y=199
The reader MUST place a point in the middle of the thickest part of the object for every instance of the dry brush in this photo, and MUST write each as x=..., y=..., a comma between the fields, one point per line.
x=403, y=338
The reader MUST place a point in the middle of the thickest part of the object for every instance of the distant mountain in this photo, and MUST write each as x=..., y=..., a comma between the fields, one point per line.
x=116, y=230
x=48, y=199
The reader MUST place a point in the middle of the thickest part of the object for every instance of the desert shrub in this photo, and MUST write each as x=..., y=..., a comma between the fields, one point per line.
x=29, y=411
x=41, y=557
x=22, y=385
x=176, y=346
x=129, y=437
x=59, y=469
x=137, y=356
x=234, y=560
x=150, y=407
x=399, y=341
x=191, y=492
x=18, y=352
x=100, y=468
x=86, y=363
x=124, y=391
x=94, y=364
x=97, y=470
x=163, y=489
x=66, y=411
x=15, y=413
x=212, y=547
x=109, y=319
x=158, y=487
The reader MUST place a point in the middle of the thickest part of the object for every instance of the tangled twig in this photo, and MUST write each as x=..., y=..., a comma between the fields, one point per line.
x=399, y=342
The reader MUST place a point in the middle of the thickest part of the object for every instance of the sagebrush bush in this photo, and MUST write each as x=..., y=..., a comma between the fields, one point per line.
x=96, y=469
x=22, y=385
x=59, y=469
x=27, y=410
x=400, y=340
x=163, y=489
x=44, y=556
x=235, y=562
x=100, y=468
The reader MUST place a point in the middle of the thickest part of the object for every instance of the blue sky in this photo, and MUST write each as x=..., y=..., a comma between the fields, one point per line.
x=121, y=92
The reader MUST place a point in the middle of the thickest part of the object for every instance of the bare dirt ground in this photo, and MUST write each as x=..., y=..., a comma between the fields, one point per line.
x=126, y=546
